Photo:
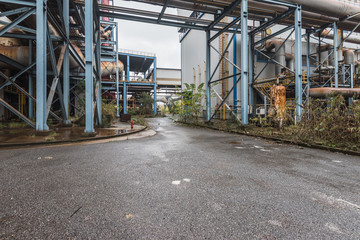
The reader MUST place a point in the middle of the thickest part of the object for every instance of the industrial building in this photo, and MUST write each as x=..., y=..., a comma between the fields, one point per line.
x=62, y=57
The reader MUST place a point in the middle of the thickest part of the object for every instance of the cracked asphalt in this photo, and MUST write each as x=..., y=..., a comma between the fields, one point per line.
x=182, y=183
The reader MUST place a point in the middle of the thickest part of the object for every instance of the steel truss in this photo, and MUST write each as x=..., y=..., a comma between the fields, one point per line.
x=47, y=41
x=246, y=72
x=347, y=71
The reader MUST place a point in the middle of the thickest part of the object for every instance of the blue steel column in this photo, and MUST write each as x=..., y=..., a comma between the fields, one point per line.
x=41, y=83
x=89, y=76
x=66, y=70
x=155, y=107
x=251, y=75
x=234, y=73
x=31, y=82
x=125, y=83
x=99, y=84
x=117, y=73
x=298, y=64
x=208, y=87
x=308, y=65
x=336, y=56
x=244, y=64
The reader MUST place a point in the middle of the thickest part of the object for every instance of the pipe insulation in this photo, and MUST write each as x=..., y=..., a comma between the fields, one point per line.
x=280, y=57
x=313, y=13
x=330, y=35
x=329, y=7
x=326, y=91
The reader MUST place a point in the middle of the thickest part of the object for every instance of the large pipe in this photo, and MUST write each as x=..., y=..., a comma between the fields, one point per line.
x=313, y=16
x=330, y=35
x=330, y=7
x=326, y=91
x=280, y=56
x=109, y=68
x=20, y=54
x=349, y=56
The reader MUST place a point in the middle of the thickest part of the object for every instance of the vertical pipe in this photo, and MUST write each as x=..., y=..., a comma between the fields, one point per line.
x=117, y=73
x=251, y=75
x=308, y=65
x=99, y=91
x=336, y=55
x=125, y=83
x=244, y=63
x=155, y=107
x=66, y=70
x=234, y=73
x=298, y=64
x=89, y=78
x=351, y=81
x=41, y=74
x=208, y=89
x=31, y=83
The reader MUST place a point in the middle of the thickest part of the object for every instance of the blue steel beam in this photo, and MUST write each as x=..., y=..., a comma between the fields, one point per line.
x=244, y=64
x=98, y=68
x=308, y=74
x=235, y=95
x=117, y=72
x=251, y=74
x=89, y=73
x=16, y=112
x=41, y=74
x=14, y=11
x=19, y=2
x=31, y=83
x=163, y=10
x=225, y=12
x=124, y=85
x=155, y=107
x=336, y=56
x=272, y=21
x=298, y=65
x=66, y=62
x=18, y=20
x=208, y=69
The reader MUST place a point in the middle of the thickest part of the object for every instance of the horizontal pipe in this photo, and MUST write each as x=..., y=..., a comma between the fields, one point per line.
x=326, y=91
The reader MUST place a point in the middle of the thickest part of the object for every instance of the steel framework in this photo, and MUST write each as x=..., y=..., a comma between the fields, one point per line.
x=74, y=31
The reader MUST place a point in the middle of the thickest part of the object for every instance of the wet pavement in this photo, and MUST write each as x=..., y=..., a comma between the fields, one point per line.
x=182, y=183
x=27, y=135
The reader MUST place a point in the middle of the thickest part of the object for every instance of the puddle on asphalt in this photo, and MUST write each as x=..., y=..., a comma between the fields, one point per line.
x=27, y=135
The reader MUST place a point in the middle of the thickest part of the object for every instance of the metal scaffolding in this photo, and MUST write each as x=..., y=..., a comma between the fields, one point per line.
x=73, y=35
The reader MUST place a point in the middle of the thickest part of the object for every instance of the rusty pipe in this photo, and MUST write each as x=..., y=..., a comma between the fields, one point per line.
x=325, y=91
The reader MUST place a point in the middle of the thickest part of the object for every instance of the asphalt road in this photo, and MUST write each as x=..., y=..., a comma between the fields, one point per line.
x=182, y=183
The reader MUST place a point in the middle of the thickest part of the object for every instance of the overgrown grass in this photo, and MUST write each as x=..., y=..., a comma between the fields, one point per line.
x=140, y=120
x=329, y=122
x=17, y=125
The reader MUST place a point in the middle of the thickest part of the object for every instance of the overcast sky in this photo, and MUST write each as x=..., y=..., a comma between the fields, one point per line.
x=158, y=39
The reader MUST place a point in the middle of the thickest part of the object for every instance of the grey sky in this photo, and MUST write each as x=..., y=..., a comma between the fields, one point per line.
x=158, y=39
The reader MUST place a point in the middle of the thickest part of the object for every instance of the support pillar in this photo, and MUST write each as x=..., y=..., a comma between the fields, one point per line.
x=98, y=89
x=117, y=73
x=66, y=68
x=31, y=83
x=251, y=75
x=336, y=54
x=298, y=64
x=125, y=83
x=244, y=64
x=41, y=70
x=235, y=94
x=89, y=76
x=155, y=106
x=208, y=87
x=308, y=65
